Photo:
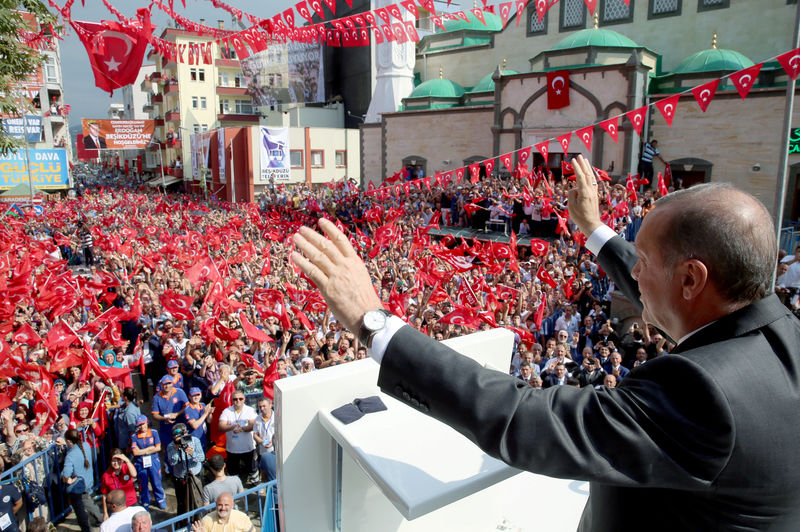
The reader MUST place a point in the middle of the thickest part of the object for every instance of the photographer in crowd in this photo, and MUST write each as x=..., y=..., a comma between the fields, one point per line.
x=185, y=457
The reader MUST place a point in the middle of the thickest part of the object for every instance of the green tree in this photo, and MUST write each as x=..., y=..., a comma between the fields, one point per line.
x=17, y=59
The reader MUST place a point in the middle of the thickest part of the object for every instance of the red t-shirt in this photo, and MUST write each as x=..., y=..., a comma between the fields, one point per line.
x=124, y=481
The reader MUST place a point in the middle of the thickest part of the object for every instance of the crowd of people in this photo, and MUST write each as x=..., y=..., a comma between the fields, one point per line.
x=143, y=333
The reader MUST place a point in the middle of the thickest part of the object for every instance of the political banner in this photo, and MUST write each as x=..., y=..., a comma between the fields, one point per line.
x=288, y=73
x=275, y=154
x=117, y=134
x=49, y=169
x=199, y=144
x=16, y=127
x=221, y=154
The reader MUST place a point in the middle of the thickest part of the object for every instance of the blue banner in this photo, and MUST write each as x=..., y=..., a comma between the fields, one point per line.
x=15, y=127
x=49, y=169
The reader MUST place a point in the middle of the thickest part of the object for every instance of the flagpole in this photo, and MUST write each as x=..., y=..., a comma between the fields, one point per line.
x=27, y=151
x=780, y=189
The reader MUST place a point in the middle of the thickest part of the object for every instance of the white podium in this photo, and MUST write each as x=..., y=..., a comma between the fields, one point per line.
x=399, y=470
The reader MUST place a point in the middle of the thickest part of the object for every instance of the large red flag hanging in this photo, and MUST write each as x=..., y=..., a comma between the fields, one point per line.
x=557, y=89
x=115, y=50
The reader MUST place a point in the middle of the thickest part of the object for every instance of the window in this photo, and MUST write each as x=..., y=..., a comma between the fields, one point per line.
x=341, y=159
x=239, y=81
x=572, y=15
x=194, y=102
x=222, y=79
x=197, y=128
x=534, y=26
x=201, y=74
x=224, y=106
x=51, y=70
x=317, y=159
x=615, y=12
x=707, y=5
x=664, y=8
x=193, y=74
x=203, y=127
x=203, y=103
x=244, y=107
x=296, y=158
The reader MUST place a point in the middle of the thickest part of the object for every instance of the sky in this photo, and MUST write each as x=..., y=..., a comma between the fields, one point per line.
x=86, y=100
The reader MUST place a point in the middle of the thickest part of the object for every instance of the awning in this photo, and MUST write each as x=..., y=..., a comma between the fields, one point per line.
x=166, y=181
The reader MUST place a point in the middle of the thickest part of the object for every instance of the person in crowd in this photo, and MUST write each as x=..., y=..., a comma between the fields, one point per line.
x=145, y=446
x=185, y=457
x=224, y=518
x=222, y=483
x=125, y=418
x=78, y=477
x=237, y=422
x=119, y=520
x=121, y=476
x=168, y=407
x=141, y=522
x=263, y=433
x=197, y=415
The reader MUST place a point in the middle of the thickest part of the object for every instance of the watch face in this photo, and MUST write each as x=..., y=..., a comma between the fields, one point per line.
x=374, y=320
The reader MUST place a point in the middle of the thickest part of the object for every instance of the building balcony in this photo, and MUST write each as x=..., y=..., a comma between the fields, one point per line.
x=232, y=91
x=157, y=98
x=147, y=108
x=159, y=122
x=172, y=116
x=230, y=63
x=155, y=76
x=165, y=63
x=231, y=117
x=175, y=144
x=170, y=88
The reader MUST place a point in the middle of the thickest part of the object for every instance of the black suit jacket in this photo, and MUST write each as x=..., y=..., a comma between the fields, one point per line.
x=704, y=439
x=89, y=144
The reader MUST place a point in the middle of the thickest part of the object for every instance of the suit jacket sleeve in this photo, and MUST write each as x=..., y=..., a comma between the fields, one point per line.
x=646, y=432
x=617, y=258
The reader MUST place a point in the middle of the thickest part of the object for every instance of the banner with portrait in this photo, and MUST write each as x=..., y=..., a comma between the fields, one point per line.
x=101, y=134
x=285, y=73
x=275, y=163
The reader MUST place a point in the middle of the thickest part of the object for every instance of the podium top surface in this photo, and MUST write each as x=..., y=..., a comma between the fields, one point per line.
x=420, y=464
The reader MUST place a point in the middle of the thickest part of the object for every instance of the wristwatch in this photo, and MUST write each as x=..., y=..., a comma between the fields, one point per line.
x=372, y=322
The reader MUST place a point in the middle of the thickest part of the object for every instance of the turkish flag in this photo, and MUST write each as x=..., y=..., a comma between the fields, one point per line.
x=270, y=376
x=177, y=305
x=544, y=276
x=557, y=89
x=115, y=50
x=60, y=335
x=253, y=332
x=611, y=126
x=705, y=93
x=539, y=316
x=662, y=187
x=222, y=332
x=744, y=79
x=667, y=106
x=790, y=61
x=26, y=335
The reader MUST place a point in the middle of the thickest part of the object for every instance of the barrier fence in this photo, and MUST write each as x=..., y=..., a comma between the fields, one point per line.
x=39, y=477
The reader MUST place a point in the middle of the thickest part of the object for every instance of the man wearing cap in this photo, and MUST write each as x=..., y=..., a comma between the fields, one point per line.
x=185, y=457
x=172, y=371
x=168, y=407
x=196, y=415
x=145, y=445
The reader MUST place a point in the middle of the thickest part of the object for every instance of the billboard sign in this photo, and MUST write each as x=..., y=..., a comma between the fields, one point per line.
x=16, y=127
x=101, y=134
x=49, y=169
x=275, y=154
x=289, y=73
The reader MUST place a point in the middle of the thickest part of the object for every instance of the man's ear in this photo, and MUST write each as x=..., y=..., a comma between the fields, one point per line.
x=694, y=278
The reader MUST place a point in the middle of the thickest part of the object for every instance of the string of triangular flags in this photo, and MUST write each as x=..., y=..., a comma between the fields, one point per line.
x=743, y=80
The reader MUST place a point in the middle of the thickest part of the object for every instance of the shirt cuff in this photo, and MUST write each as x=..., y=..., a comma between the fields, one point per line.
x=599, y=237
x=382, y=338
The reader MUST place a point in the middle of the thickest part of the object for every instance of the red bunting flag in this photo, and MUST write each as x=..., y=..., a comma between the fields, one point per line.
x=585, y=135
x=479, y=15
x=302, y=8
x=637, y=118
x=505, y=12
x=506, y=159
x=790, y=61
x=523, y=154
x=428, y=5
x=557, y=89
x=411, y=7
x=611, y=126
x=541, y=10
x=591, y=5
x=489, y=164
x=744, y=79
x=705, y=93
x=544, y=148
x=668, y=106
x=563, y=141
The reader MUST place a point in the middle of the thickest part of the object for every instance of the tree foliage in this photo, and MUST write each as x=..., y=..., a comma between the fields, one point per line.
x=17, y=59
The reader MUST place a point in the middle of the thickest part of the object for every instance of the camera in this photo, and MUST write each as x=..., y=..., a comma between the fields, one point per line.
x=181, y=436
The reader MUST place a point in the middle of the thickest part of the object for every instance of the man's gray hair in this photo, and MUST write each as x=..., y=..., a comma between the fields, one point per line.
x=729, y=231
x=141, y=515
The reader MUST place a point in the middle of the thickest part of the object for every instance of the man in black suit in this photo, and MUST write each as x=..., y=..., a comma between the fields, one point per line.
x=702, y=439
x=93, y=140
